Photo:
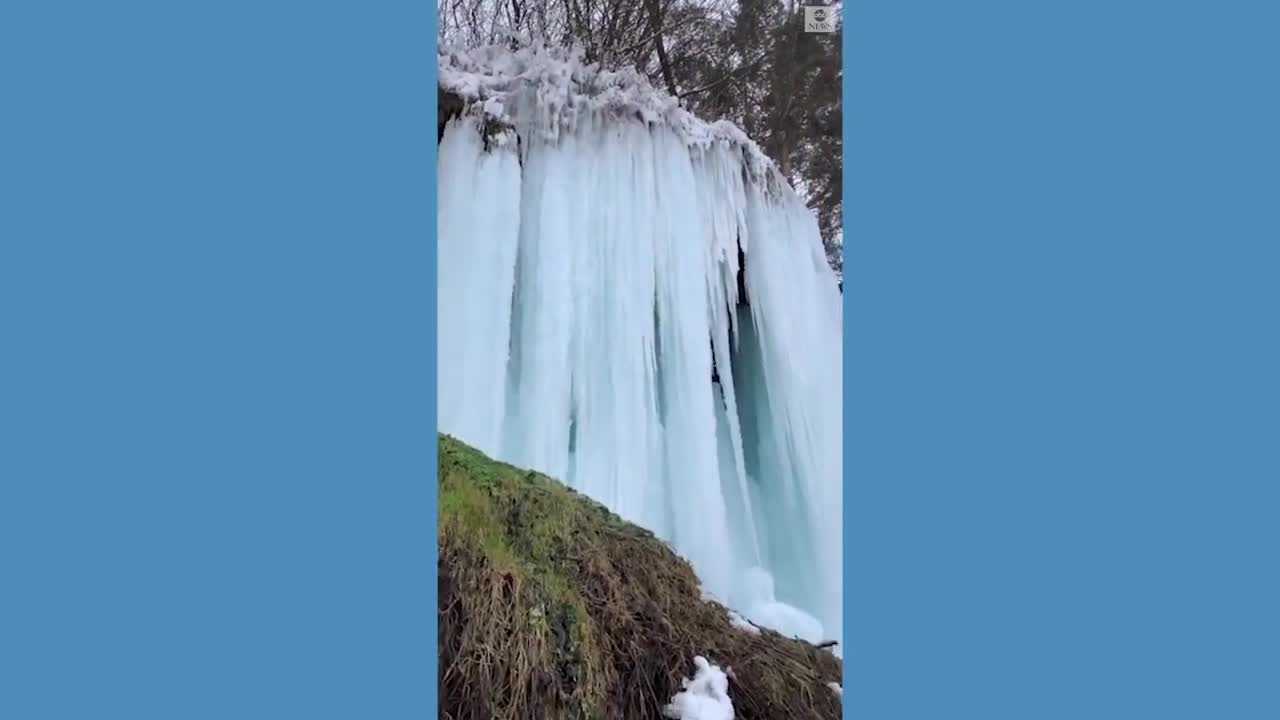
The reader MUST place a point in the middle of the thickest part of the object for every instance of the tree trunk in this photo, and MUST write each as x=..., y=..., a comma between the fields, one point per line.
x=655, y=20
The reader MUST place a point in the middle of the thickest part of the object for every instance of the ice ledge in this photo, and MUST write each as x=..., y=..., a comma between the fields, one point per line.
x=562, y=88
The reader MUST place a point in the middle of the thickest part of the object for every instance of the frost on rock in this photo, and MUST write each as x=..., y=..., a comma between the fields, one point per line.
x=705, y=695
x=635, y=302
x=550, y=91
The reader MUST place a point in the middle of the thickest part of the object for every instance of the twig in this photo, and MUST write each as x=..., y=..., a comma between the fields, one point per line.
x=726, y=78
x=636, y=46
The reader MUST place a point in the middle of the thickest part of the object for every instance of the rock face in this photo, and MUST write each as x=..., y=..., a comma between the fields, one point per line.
x=552, y=607
x=448, y=106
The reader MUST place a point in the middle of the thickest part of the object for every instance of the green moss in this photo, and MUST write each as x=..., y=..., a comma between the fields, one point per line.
x=523, y=524
x=523, y=521
x=469, y=507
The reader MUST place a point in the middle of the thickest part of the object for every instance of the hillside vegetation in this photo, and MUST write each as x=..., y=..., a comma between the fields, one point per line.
x=552, y=607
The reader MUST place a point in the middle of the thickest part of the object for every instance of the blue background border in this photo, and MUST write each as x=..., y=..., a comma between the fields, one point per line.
x=217, y=396
x=1061, y=397
x=219, y=316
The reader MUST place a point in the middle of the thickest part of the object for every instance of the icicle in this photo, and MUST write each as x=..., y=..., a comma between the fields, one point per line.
x=477, y=253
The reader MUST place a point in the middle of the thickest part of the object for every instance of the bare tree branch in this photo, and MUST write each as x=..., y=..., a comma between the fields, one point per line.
x=734, y=73
x=655, y=14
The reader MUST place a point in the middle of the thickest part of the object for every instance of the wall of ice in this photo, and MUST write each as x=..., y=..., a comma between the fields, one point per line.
x=593, y=324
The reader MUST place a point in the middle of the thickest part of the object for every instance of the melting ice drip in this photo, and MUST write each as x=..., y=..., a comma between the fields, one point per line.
x=598, y=323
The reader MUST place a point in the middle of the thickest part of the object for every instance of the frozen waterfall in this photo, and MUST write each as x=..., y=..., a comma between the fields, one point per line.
x=595, y=324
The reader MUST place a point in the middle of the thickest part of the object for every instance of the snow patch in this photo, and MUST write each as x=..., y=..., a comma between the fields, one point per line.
x=705, y=695
x=742, y=623
x=764, y=609
x=835, y=688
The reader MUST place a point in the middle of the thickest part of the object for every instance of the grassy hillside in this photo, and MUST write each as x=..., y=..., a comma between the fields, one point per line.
x=553, y=607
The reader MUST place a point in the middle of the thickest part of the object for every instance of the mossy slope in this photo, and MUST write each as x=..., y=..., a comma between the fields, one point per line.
x=553, y=607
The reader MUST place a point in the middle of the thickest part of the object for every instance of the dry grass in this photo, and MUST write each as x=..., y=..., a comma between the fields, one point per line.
x=552, y=607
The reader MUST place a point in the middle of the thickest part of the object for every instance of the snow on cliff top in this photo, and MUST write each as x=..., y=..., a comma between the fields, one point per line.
x=566, y=86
